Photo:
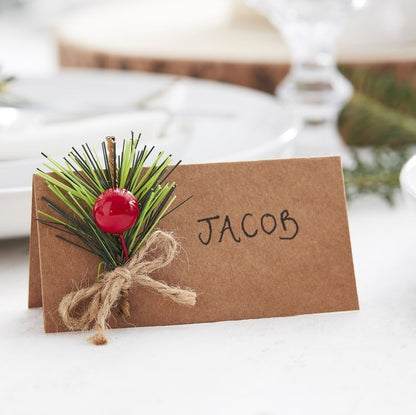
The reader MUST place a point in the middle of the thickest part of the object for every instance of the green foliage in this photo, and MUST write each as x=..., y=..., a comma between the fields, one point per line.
x=379, y=125
x=376, y=171
x=367, y=122
x=82, y=177
x=384, y=88
x=381, y=112
x=4, y=82
x=6, y=99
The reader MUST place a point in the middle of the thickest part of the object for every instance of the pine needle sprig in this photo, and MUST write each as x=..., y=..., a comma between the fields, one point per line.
x=367, y=122
x=83, y=177
x=381, y=112
x=376, y=172
x=385, y=88
x=379, y=125
x=6, y=98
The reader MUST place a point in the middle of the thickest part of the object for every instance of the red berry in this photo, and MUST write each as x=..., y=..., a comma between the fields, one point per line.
x=116, y=210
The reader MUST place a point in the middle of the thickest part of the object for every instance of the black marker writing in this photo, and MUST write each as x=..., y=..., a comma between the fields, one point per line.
x=284, y=217
x=243, y=226
x=251, y=226
x=227, y=227
x=208, y=220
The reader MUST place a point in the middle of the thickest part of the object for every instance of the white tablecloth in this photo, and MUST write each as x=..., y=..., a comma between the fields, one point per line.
x=352, y=363
x=348, y=363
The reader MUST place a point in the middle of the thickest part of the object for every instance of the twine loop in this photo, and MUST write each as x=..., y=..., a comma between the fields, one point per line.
x=157, y=252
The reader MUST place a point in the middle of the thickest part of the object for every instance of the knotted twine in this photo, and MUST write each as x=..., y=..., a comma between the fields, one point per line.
x=103, y=295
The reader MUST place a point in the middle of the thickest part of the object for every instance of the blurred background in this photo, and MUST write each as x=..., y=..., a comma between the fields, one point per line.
x=292, y=78
x=224, y=40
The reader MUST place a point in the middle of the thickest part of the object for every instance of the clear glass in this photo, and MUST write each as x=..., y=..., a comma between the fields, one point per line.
x=314, y=87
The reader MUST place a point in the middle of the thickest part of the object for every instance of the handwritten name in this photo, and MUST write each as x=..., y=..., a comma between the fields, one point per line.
x=249, y=226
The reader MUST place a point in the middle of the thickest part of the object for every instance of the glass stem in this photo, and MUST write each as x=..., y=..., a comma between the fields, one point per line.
x=314, y=87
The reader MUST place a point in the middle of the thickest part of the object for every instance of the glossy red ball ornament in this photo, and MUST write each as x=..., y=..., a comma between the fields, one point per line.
x=116, y=210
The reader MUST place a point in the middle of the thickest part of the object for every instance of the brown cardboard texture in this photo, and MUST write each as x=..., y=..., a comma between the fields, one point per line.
x=259, y=239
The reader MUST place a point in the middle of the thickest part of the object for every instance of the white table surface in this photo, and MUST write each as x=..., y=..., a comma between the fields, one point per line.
x=351, y=363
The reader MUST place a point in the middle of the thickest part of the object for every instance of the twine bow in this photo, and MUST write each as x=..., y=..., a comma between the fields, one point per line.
x=103, y=295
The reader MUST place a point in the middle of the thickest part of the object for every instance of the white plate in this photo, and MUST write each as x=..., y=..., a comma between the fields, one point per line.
x=15, y=197
x=195, y=120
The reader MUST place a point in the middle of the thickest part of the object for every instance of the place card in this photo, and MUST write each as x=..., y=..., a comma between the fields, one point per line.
x=258, y=239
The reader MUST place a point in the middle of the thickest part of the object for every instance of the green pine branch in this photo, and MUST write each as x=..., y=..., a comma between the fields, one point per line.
x=82, y=177
x=381, y=112
x=5, y=81
x=380, y=127
x=376, y=172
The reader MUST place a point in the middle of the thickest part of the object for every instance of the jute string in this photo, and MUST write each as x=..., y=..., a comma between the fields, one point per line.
x=103, y=295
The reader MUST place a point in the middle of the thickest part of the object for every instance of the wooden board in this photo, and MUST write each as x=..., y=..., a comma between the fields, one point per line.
x=237, y=46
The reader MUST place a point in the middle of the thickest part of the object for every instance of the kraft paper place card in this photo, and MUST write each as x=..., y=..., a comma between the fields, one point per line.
x=258, y=239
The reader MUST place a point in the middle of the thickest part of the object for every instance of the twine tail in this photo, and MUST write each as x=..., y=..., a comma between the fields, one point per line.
x=98, y=338
x=114, y=287
x=176, y=294
x=124, y=304
x=114, y=284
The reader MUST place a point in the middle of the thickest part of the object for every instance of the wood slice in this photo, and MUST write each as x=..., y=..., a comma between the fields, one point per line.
x=209, y=41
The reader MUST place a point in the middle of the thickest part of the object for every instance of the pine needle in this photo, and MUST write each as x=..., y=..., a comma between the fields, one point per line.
x=78, y=183
x=379, y=123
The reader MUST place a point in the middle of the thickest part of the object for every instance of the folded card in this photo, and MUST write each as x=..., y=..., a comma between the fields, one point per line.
x=258, y=239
